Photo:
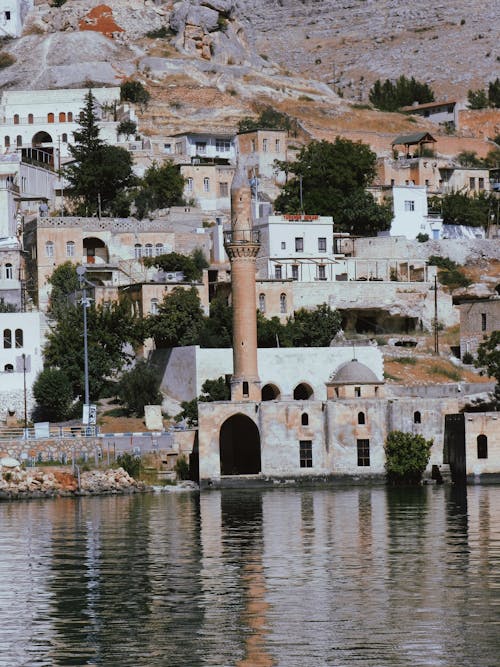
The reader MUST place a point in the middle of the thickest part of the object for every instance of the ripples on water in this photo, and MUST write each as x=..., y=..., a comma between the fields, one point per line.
x=366, y=577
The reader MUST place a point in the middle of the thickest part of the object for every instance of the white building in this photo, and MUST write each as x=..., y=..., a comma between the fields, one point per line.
x=200, y=145
x=20, y=360
x=12, y=16
x=411, y=215
x=297, y=247
x=42, y=122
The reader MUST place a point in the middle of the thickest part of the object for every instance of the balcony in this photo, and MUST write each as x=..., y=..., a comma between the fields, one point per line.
x=242, y=236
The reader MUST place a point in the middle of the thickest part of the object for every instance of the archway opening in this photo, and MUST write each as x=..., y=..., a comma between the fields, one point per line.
x=270, y=392
x=95, y=251
x=302, y=392
x=239, y=445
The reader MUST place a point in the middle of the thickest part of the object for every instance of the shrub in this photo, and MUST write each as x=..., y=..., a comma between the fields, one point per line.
x=139, y=387
x=126, y=127
x=134, y=91
x=159, y=32
x=53, y=394
x=130, y=463
x=422, y=238
x=407, y=455
x=182, y=467
x=467, y=358
x=6, y=60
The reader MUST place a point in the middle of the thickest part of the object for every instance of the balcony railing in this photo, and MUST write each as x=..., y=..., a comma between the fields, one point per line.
x=242, y=236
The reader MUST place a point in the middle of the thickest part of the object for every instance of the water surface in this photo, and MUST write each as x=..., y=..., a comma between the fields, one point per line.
x=365, y=577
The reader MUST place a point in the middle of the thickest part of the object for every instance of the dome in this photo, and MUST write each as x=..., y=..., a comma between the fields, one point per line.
x=353, y=372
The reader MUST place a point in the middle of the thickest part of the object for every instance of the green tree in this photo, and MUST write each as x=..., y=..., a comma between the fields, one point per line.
x=130, y=463
x=217, y=329
x=314, y=328
x=98, y=173
x=469, y=159
x=269, y=119
x=126, y=127
x=65, y=283
x=6, y=307
x=160, y=187
x=407, y=455
x=139, y=387
x=334, y=177
x=391, y=96
x=53, y=393
x=211, y=390
x=494, y=93
x=134, y=91
x=488, y=355
x=459, y=208
x=191, y=266
x=271, y=332
x=477, y=99
x=179, y=319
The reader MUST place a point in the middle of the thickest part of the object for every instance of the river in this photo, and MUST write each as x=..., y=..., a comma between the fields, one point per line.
x=371, y=577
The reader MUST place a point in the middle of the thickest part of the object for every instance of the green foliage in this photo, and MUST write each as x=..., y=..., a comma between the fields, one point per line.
x=98, y=173
x=422, y=238
x=477, y=99
x=215, y=390
x=451, y=374
x=334, y=177
x=139, y=387
x=407, y=455
x=64, y=281
x=182, y=467
x=488, y=355
x=405, y=360
x=494, y=93
x=160, y=33
x=160, y=187
x=217, y=329
x=130, y=463
x=389, y=96
x=58, y=3
x=442, y=262
x=7, y=307
x=126, y=127
x=314, y=328
x=192, y=266
x=134, y=91
x=469, y=159
x=179, y=319
x=53, y=393
x=458, y=208
x=268, y=119
x=451, y=274
x=110, y=327
x=189, y=413
x=467, y=358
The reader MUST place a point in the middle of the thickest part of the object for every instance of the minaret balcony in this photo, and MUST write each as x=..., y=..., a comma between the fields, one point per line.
x=241, y=236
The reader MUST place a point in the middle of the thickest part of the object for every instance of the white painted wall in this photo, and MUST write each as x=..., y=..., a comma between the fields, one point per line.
x=411, y=213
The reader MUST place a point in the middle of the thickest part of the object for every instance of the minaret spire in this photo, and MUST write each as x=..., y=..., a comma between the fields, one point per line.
x=242, y=246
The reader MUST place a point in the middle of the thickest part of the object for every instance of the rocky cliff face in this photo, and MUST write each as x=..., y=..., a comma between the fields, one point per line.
x=281, y=51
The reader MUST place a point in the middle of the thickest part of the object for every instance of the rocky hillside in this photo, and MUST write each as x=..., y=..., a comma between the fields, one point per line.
x=211, y=60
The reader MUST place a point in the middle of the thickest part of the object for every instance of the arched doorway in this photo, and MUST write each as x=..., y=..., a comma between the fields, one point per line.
x=302, y=392
x=239, y=446
x=270, y=392
x=94, y=251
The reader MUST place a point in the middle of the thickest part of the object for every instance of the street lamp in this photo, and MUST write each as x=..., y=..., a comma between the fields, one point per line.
x=85, y=301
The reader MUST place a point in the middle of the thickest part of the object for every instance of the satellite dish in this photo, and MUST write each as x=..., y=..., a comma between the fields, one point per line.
x=81, y=270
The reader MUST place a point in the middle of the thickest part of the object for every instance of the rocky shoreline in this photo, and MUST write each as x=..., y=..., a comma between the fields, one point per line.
x=18, y=483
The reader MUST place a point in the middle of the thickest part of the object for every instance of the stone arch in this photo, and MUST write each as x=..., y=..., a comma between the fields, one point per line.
x=303, y=392
x=270, y=392
x=95, y=250
x=40, y=138
x=239, y=446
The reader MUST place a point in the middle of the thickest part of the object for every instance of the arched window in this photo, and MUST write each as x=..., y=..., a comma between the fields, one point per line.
x=49, y=249
x=70, y=249
x=154, y=307
x=7, y=338
x=302, y=392
x=19, y=141
x=30, y=118
x=64, y=138
x=482, y=447
x=50, y=117
x=62, y=117
x=305, y=419
x=70, y=116
x=16, y=119
x=8, y=368
x=159, y=249
x=262, y=303
x=206, y=185
x=137, y=251
x=270, y=392
x=417, y=417
x=282, y=303
x=6, y=141
x=361, y=418
x=19, y=338
x=9, y=271
x=148, y=250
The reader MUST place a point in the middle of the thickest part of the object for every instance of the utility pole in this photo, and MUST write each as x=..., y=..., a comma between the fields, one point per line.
x=85, y=304
x=436, y=323
x=25, y=398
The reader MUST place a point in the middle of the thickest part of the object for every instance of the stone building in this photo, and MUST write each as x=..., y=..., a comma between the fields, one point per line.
x=472, y=446
x=478, y=319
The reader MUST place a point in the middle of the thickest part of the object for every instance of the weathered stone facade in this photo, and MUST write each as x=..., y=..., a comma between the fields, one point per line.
x=478, y=319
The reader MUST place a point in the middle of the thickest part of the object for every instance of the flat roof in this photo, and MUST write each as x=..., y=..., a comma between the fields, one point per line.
x=427, y=105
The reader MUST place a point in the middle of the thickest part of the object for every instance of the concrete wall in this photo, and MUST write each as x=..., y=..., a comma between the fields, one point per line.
x=188, y=367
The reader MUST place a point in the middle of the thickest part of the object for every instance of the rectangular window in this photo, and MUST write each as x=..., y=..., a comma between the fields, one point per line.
x=305, y=453
x=472, y=183
x=363, y=452
x=7, y=16
x=189, y=185
x=206, y=185
x=70, y=249
x=295, y=271
x=167, y=148
x=409, y=205
x=277, y=272
x=253, y=145
x=201, y=146
x=277, y=146
x=322, y=244
x=178, y=148
x=321, y=272
x=264, y=145
x=357, y=392
x=483, y=321
x=481, y=183
x=283, y=245
x=222, y=146
x=299, y=244
x=223, y=189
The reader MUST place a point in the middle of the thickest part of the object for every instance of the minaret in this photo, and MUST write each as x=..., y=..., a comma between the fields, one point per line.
x=242, y=245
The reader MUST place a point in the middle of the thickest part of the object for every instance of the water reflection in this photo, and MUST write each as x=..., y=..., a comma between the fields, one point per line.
x=276, y=578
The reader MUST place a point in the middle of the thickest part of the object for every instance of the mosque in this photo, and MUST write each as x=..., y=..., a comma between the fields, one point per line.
x=266, y=436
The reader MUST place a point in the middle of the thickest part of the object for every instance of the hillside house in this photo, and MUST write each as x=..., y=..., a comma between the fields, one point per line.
x=209, y=185
x=201, y=145
x=12, y=16
x=411, y=215
x=478, y=319
x=443, y=113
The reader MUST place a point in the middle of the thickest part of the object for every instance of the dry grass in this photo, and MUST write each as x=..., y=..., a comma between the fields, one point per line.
x=428, y=369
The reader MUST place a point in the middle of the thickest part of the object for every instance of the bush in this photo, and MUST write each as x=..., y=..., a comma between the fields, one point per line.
x=130, y=463
x=182, y=467
x=134, y=91
x=6, y=60
x=422, y=238
x=139, y=387
x=53, y=394
x=407, y=455
x=467, y=358
x=126, y=127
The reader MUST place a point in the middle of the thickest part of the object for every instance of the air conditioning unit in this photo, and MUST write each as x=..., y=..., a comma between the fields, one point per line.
x=174, y=277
